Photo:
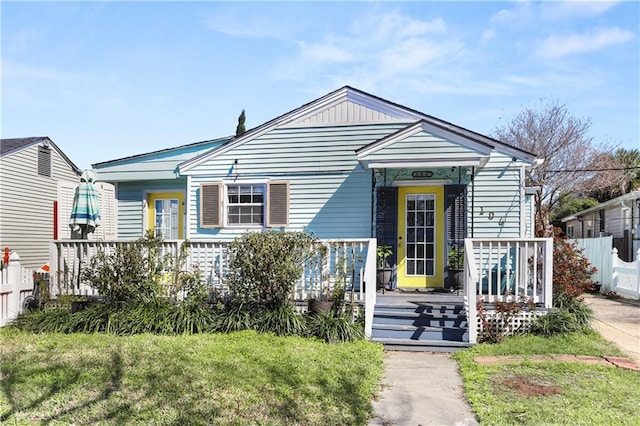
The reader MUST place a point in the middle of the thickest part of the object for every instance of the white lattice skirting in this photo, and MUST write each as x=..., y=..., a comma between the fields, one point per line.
x=508, y=324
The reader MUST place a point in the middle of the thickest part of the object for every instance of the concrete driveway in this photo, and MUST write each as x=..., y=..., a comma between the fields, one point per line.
x=618, y=320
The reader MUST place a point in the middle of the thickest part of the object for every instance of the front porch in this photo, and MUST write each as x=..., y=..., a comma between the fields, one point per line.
x=495, y=270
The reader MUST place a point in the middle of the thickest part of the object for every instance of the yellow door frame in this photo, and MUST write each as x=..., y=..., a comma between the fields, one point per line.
x=154, y=196
x=421, y=281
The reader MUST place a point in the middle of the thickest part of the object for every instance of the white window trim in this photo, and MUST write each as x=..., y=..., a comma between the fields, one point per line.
x=225, y=204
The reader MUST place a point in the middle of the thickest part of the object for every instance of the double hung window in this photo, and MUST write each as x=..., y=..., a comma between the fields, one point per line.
x=244, y=204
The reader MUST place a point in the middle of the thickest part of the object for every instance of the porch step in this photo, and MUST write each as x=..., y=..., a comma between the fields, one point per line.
x=410, y=322
x=457, y=334
x=446, y=346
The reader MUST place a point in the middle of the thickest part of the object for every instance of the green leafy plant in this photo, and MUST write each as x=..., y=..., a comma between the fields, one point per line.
x=282, y=321
x=455, y=258
x=129, y=272
x=383, y=252
x=264, y=267
x=334, y=328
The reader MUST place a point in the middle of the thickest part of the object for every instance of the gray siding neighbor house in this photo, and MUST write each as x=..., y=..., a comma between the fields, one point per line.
x=34, y=173
x=619, y=218
x=37, y=187
x=348, y=165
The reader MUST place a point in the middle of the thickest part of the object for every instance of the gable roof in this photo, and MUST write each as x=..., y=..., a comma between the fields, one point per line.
x=223, y=140
x=13, y=145
x=389, y=111
x=8, y=146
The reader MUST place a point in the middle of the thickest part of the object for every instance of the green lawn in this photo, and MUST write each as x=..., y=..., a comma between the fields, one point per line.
x=227, y=379
x=550, y=393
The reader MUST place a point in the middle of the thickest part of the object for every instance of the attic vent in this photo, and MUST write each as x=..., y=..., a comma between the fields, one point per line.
x=44, y=161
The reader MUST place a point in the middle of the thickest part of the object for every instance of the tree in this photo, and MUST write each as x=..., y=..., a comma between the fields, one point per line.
x=629, y=161
x=572, y=162
x=568, y=205
x=240, y=129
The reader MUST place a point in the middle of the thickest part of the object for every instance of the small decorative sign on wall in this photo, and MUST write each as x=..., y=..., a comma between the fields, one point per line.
x=422, y=174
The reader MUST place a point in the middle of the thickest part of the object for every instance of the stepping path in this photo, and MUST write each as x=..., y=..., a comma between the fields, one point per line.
x=617, y=361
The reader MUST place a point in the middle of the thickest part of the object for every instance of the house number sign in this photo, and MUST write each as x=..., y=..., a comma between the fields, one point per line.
x=422, y=174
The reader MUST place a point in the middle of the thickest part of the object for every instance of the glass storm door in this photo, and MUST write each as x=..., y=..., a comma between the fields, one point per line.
x=420, y=237
x=166, y=215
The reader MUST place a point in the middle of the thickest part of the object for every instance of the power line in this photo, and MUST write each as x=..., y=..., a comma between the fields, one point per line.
x=612, y=169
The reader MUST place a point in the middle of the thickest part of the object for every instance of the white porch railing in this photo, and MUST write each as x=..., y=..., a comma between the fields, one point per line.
x=349, y=262
x=506, y=269
x=626, y=276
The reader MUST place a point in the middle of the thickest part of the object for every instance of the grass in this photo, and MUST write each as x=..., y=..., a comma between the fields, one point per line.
x=579, y=394
x=231, y=379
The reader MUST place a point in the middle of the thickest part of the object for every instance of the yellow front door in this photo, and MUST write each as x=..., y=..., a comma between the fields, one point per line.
x=166, y=215
x=421, y=236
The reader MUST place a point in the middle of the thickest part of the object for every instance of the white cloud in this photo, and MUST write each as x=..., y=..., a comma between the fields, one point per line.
x=488, y=34
x=562, y=10
x=525, y=13
x=325, y=52
x=557, y=46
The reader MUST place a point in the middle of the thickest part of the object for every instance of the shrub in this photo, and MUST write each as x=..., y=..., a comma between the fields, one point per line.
x=334, y=328
x=282, y=321
x=264, y=267
x=129, y=272
x=571, y=270
x=235, y=318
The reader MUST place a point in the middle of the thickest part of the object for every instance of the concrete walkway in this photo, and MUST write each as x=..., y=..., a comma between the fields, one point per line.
x=618, y=320
x=421, y=388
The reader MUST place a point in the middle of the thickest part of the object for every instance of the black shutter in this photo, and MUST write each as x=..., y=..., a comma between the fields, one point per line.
x=455, y=200
x=387, y=219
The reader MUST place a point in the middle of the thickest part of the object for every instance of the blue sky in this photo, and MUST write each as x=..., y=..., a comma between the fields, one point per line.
x=107, y=80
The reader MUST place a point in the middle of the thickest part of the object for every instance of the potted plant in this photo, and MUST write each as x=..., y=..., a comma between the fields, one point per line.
x=455, y=268
x=384, y=270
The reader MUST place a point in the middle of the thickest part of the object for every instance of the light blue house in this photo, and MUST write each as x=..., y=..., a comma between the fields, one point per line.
x=348, y=165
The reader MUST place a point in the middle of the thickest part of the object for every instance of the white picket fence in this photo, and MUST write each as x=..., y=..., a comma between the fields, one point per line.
x=16, y=283
x=626, y=276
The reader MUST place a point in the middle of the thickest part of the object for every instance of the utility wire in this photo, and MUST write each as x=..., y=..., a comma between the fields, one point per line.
x=593, y=170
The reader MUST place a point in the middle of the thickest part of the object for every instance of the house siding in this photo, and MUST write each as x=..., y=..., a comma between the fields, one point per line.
x=330, y=192
x=155, y=172
x=296, y=150
x=159, y=166
x=346, y=112
x=332, y=205
x=26, y=203
x=422, y=144
x=497, y=189
x=131, y=198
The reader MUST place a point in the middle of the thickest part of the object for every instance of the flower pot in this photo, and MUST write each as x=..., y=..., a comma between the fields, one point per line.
x=316, y=306
x=455, y=279
x=383, y=278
